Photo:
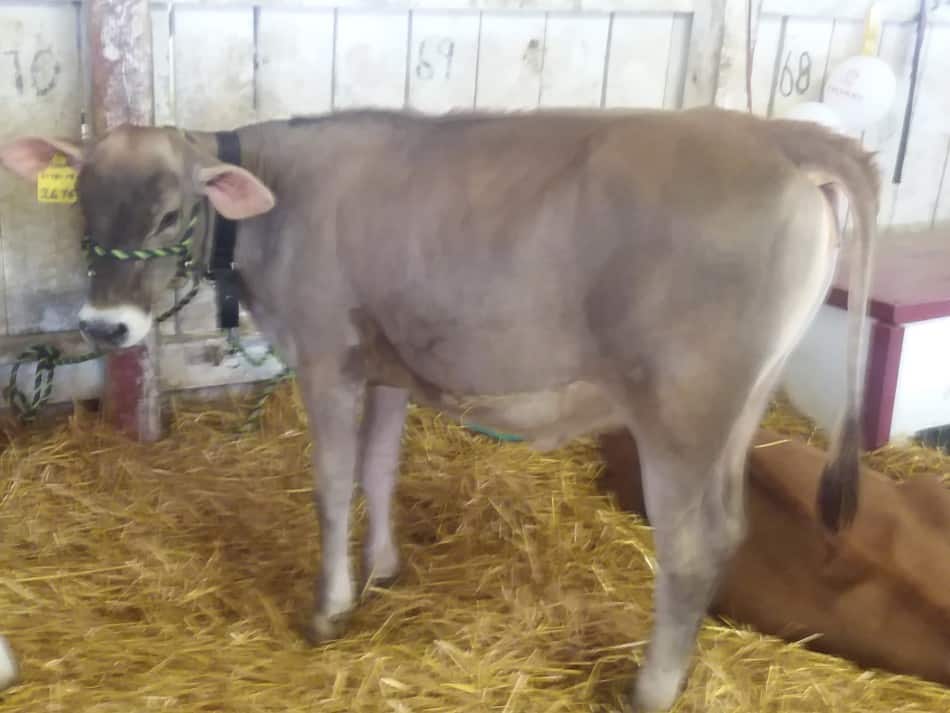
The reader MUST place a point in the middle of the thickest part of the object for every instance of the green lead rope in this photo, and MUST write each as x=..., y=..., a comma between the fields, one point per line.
x=257, y=410
x=507, y=437
x=48, y=357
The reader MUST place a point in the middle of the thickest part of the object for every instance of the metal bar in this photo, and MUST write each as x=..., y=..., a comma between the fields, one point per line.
x=909, y=108
x=119, y=46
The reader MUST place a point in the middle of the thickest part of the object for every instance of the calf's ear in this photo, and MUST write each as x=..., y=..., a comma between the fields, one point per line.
x=235, y=192
x=29, y=155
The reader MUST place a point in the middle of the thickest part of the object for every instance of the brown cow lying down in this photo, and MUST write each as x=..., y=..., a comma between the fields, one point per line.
x=881, y=598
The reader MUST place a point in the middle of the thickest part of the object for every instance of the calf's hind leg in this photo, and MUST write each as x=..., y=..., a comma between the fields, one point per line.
x=695, y=535
x=694, y=498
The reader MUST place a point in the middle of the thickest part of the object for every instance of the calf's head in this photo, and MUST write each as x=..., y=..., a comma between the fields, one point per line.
x=139, y=189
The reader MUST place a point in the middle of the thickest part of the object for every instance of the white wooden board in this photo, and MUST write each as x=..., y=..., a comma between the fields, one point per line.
x=730, y=66
x=162, y=93
x=702, y=66
x=43, y=270
x=640, y=52
x=443, y=67
x=214, y=90
x=896, y=49
x=184, y=363
x=768, y=43
x=814, y=377
x=510, y=61
x=214, y=67
x=891, y=10
x=680, y=37
x=575, y=49
x=161, y=66
x=295, y=62
x=942, y=214
x=917, y=194
x=371, y=59
x=682, y=6
x=922, y=398
x=437, y=56
x=801, y=65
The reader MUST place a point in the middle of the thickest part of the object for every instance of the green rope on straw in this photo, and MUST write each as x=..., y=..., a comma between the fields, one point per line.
x=494, y=434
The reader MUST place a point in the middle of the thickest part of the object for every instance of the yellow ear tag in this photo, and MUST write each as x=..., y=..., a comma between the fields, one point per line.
x=57, y=182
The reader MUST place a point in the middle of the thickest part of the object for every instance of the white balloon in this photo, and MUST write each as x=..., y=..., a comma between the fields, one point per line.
x=816, y=112
x=861, y=90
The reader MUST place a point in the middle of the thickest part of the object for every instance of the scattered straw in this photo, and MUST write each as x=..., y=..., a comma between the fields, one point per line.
x=170, y=576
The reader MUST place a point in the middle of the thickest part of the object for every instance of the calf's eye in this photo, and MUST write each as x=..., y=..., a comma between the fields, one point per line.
x=169, y=220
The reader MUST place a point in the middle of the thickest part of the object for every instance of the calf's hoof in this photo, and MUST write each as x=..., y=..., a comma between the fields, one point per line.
x=322, y=628
x=381, y=568
x=382, y=576
x=9, y=672
x=381, y=582
x=655, y=692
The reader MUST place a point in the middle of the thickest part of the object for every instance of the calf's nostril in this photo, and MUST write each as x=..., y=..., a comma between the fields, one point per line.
x=105, y=332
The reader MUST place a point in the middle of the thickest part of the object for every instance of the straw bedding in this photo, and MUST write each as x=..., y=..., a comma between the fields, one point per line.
x=170, y=577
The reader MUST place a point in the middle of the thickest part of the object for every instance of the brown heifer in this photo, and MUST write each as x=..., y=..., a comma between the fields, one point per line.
x=550, y=274
x=880, y=597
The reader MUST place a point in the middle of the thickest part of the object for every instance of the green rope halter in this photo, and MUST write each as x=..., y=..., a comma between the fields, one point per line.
x=180, y=248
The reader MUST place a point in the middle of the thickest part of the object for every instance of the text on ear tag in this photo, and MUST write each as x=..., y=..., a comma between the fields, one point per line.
x=57, y=182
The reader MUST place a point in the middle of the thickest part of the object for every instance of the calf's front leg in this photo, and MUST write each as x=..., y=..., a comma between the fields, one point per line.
x=384, y=416
x=333, y=412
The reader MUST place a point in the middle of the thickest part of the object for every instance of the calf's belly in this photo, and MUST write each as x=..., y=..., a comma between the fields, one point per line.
x=546, y=419
x=505, y=382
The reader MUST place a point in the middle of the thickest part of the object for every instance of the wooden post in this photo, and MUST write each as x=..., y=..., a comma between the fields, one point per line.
x=119, y=45
x=717, y=63
x=740, y=24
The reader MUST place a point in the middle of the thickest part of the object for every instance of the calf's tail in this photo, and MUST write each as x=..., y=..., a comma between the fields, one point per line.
x=838, y=162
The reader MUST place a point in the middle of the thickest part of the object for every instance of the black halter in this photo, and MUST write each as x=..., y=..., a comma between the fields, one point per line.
x=221, y=265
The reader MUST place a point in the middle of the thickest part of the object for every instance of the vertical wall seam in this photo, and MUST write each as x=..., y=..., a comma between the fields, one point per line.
x=606, y=74
x=478, y=59
x=336, y=22
x=405, y=92
x=778, y=63
x=544, y=52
